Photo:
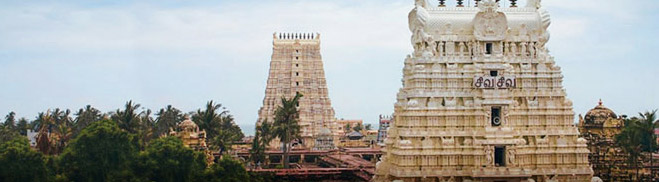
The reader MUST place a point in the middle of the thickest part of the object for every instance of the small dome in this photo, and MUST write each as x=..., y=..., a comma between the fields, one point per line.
x=187, y=123
x=355, y=135
x=599, y=114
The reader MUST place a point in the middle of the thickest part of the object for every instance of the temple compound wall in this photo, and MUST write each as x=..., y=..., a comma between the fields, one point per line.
x=482, y=100
x=296, y=66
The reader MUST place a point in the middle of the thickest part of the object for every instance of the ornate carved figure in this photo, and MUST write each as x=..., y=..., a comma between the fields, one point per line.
x=450, y=48
x=462, y=49
x=513, y=48
x=490, y=24
x=489, y=156
x=532, y=50
x=511, y=156
x=441, y=48
x=524, y=52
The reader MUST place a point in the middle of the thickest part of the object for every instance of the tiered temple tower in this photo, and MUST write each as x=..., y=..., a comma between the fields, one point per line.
x=296, y=66
x=482, y=100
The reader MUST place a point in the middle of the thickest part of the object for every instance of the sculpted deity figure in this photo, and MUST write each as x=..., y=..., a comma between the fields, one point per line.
x=434, y=45
x=500, y=48
x=506, y=47
x=523, y=51
x=462, y=47
x=511, y=156
x=513, y=48
x=540, y=52
x=470, y=48
x=441, y=48
x=489, y=156
x=532, y=50
x=450, y=48
x=419, y=40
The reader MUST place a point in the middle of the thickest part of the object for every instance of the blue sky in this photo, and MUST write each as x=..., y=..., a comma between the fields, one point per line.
x=67, y=54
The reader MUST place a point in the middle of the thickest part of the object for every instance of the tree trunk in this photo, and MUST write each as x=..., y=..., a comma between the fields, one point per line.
x=286, y=160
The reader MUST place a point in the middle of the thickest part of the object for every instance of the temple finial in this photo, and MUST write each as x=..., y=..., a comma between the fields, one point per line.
x=600, y=102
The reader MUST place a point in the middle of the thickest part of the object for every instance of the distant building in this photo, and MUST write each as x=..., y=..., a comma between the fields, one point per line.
x=385, y=121
x=32, y=136
x=342, y=123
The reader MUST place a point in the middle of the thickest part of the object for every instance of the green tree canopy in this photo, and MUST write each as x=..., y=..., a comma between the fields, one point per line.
x=10, y=121
x=22, y=126
x=128, y=119
x=166, y=118
x=227, y=170
x=358, y=127
x=101, y=152
x=84, y=117
x=18, y=162
x=220, y=128
x=167, y=159
x=261, y=142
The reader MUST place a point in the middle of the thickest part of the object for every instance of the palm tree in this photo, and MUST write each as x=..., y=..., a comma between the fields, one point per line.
x=62, y=130
x=10, y=121
x=128, y=119
x=286, y=126
x=22, y=126
x=221, y=130
x=228, y=133
x=146, y=128
x=208, y=119
x=262, y=139
x=638, y=137
x=44, y=123
x=167, y=118
x=85, y=117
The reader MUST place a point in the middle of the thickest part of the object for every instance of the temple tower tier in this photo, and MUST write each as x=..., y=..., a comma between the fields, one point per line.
x=296, y=66
x=482, y=100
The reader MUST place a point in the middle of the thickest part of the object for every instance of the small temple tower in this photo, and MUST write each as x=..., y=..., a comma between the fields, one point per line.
x=599, y=126
x=192, y=137
x=296, y=66
x=482, y=100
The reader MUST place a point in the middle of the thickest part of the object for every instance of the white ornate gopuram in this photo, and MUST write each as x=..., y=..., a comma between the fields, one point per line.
x=482, y=100
x=296, y=66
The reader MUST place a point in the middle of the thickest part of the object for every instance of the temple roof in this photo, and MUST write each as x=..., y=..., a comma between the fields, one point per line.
x=437, y=21
x=599, y=114
x=187, y=123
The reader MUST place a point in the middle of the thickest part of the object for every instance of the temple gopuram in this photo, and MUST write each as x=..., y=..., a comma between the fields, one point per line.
x=297, y=67
x=482, y=100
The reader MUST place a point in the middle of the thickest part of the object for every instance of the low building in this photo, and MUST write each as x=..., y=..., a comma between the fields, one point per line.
x=343, y=123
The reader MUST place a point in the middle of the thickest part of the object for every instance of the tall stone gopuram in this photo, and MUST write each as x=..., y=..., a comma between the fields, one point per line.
x=296, y=66
x=482, y=100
